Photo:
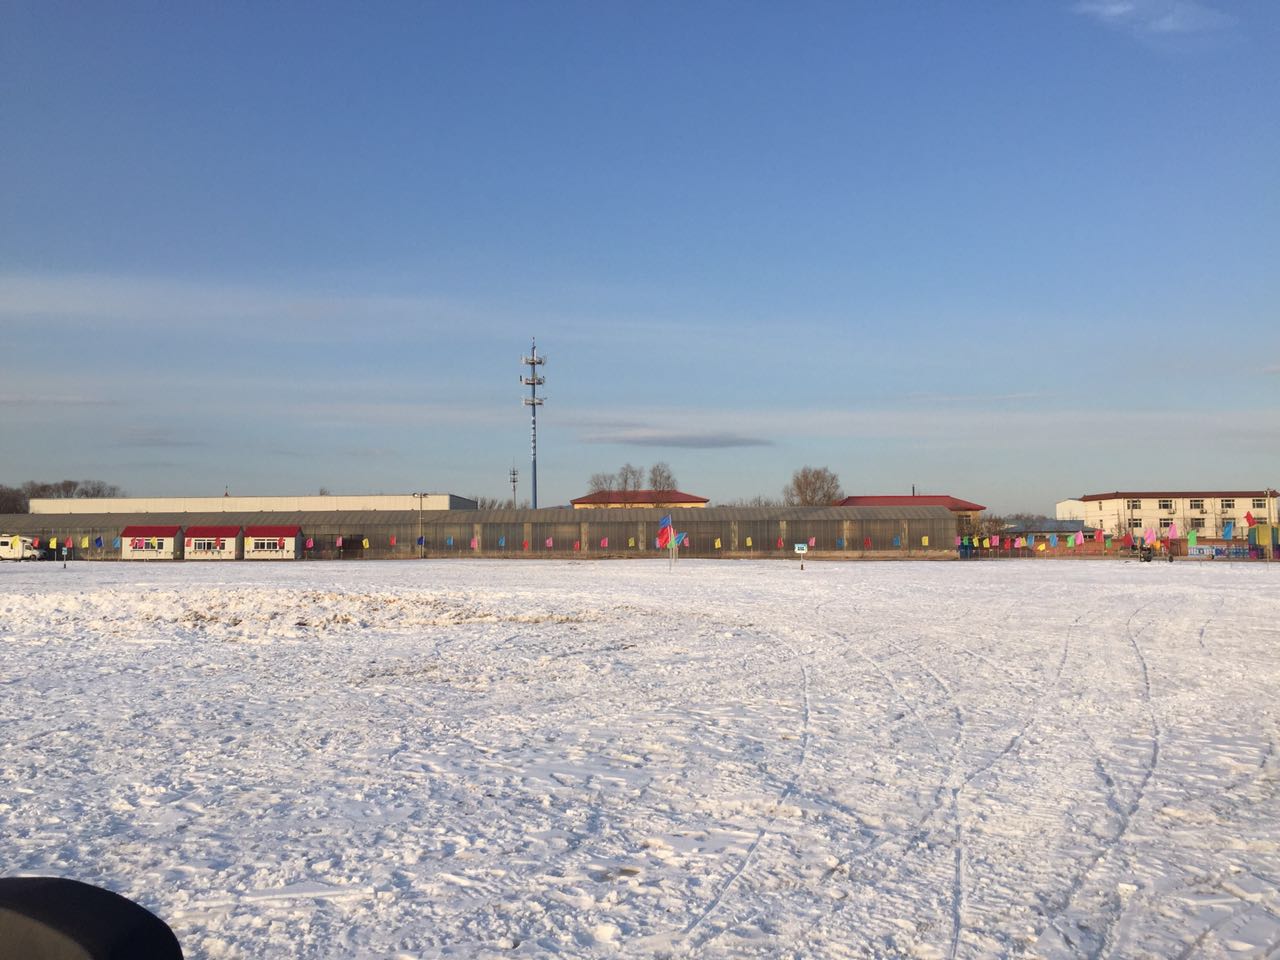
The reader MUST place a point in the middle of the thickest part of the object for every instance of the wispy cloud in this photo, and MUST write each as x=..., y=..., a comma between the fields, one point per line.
x=688, y=440
x=151, y=438
x=1157, y=18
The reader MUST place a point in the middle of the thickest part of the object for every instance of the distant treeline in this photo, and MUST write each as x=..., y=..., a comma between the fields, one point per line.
x=18, y=499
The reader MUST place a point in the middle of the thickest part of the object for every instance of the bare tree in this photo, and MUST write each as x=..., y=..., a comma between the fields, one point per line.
x=12, y=500
x=601, y=481
x=812, y=487
x=757, y=501
x=97, y=489
x=487, y=503
x=661, y=476
x=630, y=477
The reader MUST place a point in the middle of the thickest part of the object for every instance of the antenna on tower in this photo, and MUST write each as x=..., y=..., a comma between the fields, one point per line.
x=514, y=478
x=533, y=381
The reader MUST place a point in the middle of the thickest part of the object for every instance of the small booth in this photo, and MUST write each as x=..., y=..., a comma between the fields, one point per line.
x=213, y=543
x=151, y=543
x=272, y=543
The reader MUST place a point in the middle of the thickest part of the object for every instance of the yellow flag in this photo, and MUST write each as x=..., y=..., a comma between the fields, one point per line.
x=717, y=543
x=1040, y=546
x=84, y=543
x=924, y=541
x=986, y=541
x=53, y=543
x=631, y=541
x=748, y=542
x=365, y=543
x=153, y=543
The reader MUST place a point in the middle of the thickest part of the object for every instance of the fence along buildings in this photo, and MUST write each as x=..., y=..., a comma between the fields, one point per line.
x=1211, y=513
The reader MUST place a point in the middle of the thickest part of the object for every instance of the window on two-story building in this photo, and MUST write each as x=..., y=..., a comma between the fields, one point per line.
x=1197, y=504
x=1135, y=523
x=1197, y=523
x=1259, y=503
x=1133, y=504
x=1166, y=504
x=1228, y=504
x=1165, y=523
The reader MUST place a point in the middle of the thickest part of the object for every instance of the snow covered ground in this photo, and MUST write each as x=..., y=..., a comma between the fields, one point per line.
x=421, y=759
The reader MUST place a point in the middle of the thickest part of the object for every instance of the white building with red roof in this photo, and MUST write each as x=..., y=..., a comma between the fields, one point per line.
x=213, y=543
x=278, y=542
x=617, y=499
x=151, y=542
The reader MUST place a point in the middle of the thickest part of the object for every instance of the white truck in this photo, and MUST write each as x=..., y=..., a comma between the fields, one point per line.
x=14, y=547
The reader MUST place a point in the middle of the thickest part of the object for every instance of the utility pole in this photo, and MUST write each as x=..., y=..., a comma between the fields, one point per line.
x=533, y=381
x=515, y=478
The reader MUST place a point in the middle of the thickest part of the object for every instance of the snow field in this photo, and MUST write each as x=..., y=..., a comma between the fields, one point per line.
x=496, y=758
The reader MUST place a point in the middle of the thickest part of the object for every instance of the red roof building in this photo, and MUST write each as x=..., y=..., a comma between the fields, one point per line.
x=149, y=532
x=222, y=542
x=660, y=499
x=279, y=542
x=151, y=542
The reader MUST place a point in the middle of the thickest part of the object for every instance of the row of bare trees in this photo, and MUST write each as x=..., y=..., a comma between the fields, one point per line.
x=809, y=486
x=631, y=477
x=18, y=499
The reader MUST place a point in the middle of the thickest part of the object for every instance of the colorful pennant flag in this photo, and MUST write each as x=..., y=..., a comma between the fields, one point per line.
x=959, y=541
x=188, y=542
x=1228, y=529
x=813, y=541
x=422, y=541
x=1191, y=538
x=311, y=542
x=1053, y=539
x=393, y=540
x=681, y=538
x=338, y=543
x=986, y=542
x=897, y=541
x=839, y=543
x=779, y=543
x=1173, y=531
x=1040, y=547
x=97, y=542
x=866, y=543
x=115, y=543
x=153, y=543
x=748, y=543
x=717, y=543
x=475, y=543
x=280, y=543
x=448, y=541
x=631, y=542
x=1097, y=536
x=1106, y=543
x=924, y=541
x=1248, y=518
x=1128, y=539
x=665, y=531
x=604, y=543
x=550, y=543
x=524, y=544
x=577, y=544
x=995, y=541
x=219, y=543
x=365, y=543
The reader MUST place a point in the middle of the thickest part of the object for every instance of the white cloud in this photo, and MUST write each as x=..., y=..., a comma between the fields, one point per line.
x=1157, y=17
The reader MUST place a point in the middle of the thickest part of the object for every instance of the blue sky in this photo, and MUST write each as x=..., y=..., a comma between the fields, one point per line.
x=1014, y=252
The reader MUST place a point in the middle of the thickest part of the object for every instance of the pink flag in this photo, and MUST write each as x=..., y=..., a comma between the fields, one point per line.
x=549, y=542
x=813, y=541
x=338, y=542
x=311, y=543
x=779, y=543
x=188, y=541
x=957, y=541
x=1097, y=536
x=577, y=544
x=1173, y=530
x=995, y=541
x=475, y=543
x=393, y=539
x=604, y=543
x=280, y=543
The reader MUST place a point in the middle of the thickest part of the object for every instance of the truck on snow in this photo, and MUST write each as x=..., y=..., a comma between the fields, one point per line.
x=14, y=547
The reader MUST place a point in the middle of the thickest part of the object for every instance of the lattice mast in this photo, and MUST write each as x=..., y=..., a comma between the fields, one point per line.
x=533, y=381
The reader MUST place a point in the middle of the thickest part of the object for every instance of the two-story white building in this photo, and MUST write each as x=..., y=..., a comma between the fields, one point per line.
x=1210, y=513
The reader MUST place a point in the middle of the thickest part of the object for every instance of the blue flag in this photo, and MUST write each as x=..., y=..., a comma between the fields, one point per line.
x=1228, y=529
x=897, y=541
x=116, y=543
x=422, y=541
x=502, y=541
x=1053, y=539
x=97, y=542
x=840, y=543
x=448, y=542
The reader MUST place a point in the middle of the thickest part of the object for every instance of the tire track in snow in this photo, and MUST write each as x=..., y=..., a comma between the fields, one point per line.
x=1123, y=812
x=717, y=901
